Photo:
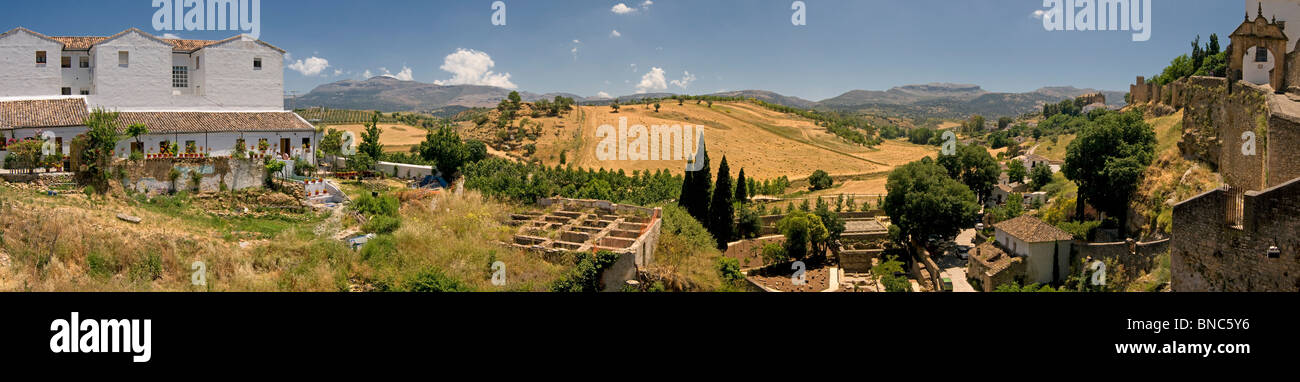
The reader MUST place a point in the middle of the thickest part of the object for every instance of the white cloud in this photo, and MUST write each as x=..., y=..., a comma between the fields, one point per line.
x=310, y=67
x=404, y=75
x=615, y=33
x=175, y=37
x=574, y=50
x=472, y=67
x=1038, y=14
x=685, y=82
x=338, y=72
x=622, y=9
x=646, y=5
x=652, y=80
x=603, y=95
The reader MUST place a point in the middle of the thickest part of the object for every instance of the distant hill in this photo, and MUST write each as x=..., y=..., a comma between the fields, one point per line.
x=942, y=100
x=392, y=95
x=955, y=100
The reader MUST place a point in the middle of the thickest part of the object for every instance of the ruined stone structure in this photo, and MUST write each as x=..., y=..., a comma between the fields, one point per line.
x=574, y=225
x=1223, y=245
x=1137, y=258
x=990, y=267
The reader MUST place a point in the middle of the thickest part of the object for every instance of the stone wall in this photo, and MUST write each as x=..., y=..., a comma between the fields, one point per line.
x=1210, y=254
x=1137, y=258
x=151, y=176
x=858, y=260
x=1214, y=121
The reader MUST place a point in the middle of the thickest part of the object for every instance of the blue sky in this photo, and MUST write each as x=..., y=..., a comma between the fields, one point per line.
x=723, y=44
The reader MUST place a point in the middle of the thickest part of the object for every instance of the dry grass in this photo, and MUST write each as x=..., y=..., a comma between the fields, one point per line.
x=70, y=243
x=460, y=236
x=395, y=137
x=766, y=143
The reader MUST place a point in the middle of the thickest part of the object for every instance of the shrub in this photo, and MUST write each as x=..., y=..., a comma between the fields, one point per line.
x=101, y=266
x=432, y=280
x=385, y=205
x=820, y=180
x=775, y=254
x=729, y=269
x=585, y=276
x=147, y=269
x=382, y=224
x=379, y=248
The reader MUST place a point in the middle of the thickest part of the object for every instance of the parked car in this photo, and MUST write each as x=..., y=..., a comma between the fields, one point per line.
x=947, y=284
x=963, y=252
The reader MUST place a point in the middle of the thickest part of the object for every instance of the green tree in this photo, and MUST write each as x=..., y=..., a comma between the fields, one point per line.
x=886, y=274
x=656, y=107
x=801, y=229
x=820, y=180
x=135, y=131
x=922, y=201
x=742, y=187
x=1016, y=170
x=97, y=155
x=721, y=212
x=1107, y=160
x=332, y=144
x=1040, y=177
x=444, y=147
x=614, y=106
x=974, y=167
x=370, y=139
x=1004, y=122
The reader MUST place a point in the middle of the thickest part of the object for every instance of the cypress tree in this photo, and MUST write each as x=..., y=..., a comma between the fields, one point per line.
x=742, y=189
x=721, y=212
x=702, y=180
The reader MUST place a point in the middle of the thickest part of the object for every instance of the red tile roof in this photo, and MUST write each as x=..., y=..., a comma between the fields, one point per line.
x=212, y=122
x=1031, y=230
x=43, y=113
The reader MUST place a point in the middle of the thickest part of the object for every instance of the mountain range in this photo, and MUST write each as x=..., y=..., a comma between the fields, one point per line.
x=939, y=100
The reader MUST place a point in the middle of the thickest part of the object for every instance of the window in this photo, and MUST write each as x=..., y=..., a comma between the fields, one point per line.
x=40, y=57
x=123, y=58
x=85, y=62
x=66, y=91
x=190, y=147
x=198, y=62
x=284, y=146
x=257, y=64
x=1261, y=54
x=85, y=92
x=66, y=62
x=180, y=77
x=306, y=145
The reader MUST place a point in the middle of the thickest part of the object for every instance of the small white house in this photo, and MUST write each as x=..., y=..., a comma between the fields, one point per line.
x=58, y=120
x=1045, y=248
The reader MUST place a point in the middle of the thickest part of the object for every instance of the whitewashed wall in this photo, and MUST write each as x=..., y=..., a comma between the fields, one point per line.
x=20, y=75
x=230, y=80
x=144, y=82
x=223, y=144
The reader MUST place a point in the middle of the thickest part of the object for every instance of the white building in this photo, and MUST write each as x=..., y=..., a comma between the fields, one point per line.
x=208, y=95
x=134, y=70
x=1045, y=248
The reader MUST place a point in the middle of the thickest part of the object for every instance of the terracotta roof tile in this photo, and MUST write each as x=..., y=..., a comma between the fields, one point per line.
x=43, y=113
x=86, y=42
x=993, y=258
x=209, y=122
x=78, y=42
x=1032, y=230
